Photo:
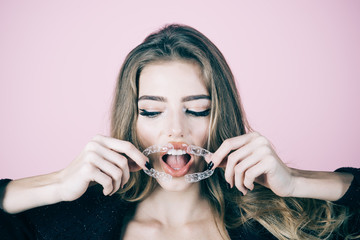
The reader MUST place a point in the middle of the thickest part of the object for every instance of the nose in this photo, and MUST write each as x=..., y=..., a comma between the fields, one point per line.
x=175, y=125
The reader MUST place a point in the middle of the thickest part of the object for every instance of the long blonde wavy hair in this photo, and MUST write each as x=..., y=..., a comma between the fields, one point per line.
x=285, y=218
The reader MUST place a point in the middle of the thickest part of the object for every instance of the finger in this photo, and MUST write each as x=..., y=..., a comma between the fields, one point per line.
x=239, y=155
x=105, y=181
x=119, y=160
x=241, y=169
x=123, y=147
x=109, y=169
x=254, y=172
x=229, y=145
x=239, y=183
x=238, y=162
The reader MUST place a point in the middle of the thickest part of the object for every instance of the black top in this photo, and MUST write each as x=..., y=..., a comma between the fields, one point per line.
x=95, y=216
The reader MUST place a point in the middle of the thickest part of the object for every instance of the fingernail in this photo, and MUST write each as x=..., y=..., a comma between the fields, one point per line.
x=148, y=165
x=210, y=165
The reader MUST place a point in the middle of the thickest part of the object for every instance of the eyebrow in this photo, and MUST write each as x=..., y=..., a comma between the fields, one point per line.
x=153, y=98
x=184, y=99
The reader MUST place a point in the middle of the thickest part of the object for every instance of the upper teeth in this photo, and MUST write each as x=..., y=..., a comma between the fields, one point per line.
x=176, y=152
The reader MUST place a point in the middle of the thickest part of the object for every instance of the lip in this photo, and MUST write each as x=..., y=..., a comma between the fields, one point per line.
x=184, y=170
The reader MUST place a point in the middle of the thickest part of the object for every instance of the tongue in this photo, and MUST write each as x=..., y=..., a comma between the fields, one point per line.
x=176, y=161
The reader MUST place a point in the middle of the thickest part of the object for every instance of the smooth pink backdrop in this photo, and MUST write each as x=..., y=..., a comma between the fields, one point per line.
x=297, y=64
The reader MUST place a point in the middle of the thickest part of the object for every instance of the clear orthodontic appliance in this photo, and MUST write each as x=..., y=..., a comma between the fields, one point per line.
x=191, y=149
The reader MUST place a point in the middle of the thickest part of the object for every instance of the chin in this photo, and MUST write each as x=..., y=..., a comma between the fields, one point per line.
x=176, y=185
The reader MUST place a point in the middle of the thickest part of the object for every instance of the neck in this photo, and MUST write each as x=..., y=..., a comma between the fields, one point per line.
x=175, y=207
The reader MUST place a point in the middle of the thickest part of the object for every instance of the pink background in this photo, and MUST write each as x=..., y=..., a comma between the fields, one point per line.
x=297, y=64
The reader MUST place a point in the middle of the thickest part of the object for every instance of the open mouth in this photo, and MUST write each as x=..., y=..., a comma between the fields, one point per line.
x=177, y=161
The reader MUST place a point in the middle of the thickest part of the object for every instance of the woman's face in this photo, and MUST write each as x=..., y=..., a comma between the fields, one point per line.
x=174, y=107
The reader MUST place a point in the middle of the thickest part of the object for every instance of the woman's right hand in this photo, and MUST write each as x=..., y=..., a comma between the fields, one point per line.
x=105, y=160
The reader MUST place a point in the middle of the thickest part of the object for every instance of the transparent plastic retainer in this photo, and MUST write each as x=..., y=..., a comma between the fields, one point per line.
x=191, y=149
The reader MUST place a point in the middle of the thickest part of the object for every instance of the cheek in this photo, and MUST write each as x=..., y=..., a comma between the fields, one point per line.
x=145, y=132
x=200, y=131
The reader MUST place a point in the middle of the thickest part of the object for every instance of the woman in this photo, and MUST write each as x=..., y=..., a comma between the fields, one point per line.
x=177, y=88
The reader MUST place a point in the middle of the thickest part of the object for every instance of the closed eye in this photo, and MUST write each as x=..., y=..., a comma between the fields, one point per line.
x=198, y=114
x=149, y=114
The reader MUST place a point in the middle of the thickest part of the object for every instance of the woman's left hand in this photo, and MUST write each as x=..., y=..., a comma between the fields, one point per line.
x=250, y=158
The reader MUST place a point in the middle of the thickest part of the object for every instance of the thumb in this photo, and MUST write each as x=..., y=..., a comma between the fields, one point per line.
x=133, y=166
x=216, y=160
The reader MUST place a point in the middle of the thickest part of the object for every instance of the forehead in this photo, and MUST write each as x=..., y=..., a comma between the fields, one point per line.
x=172, y=77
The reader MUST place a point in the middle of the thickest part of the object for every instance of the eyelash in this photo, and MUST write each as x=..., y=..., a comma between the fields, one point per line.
x=149, y=114
x=198, y=114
